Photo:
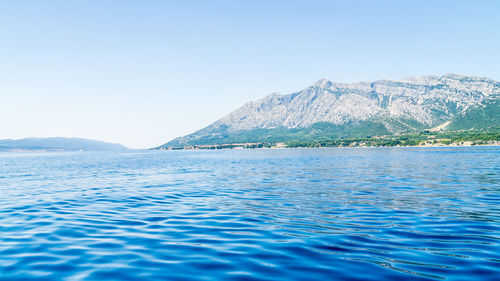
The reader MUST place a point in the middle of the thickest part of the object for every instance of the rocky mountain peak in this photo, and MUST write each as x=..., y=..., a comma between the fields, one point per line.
x=323, y=83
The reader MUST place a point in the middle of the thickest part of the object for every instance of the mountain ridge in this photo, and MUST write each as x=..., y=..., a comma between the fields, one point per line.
x=400, y=106
x=59, y=143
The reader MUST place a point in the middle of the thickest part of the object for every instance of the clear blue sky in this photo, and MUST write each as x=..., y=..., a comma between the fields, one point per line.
x=143, y=72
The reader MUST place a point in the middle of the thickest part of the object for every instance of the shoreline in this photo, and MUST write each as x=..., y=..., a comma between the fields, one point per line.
x=427, y=145
x=469, y=138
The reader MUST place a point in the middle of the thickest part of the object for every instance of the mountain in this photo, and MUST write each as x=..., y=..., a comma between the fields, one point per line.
x=328, y=110
x=65, y=144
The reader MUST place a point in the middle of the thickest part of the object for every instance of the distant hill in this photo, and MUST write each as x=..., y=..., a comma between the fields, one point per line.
x=329, y=110
x=65, y=144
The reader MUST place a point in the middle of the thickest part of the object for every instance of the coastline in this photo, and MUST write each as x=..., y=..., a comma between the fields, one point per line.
x=425, y=145
x=427, y=138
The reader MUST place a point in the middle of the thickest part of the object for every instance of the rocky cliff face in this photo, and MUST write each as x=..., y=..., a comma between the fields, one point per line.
x=401, y=106
x=429, y=100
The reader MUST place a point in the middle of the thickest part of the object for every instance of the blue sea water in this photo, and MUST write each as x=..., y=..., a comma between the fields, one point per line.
x=303, y=214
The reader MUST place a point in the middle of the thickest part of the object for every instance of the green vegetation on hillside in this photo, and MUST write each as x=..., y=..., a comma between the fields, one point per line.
x=420, y=139
x=484, y=116
x=317, y=132
x=425, y=138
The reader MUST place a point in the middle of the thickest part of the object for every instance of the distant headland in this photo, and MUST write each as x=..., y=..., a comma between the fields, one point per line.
x=58, y=144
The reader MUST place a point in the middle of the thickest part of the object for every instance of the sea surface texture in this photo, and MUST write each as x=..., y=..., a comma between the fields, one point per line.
x=304, y=214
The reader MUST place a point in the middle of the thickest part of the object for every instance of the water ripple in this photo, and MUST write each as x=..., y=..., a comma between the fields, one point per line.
x=305, y=214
